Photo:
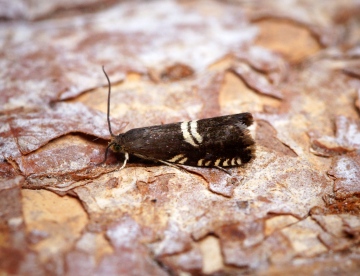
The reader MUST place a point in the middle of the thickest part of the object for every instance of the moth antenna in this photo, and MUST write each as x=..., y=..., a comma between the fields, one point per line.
x=108, y=104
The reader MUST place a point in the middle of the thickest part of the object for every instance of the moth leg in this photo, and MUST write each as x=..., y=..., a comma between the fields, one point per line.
x=125, y=161
x=222, y=169
x=173, y=165
x=106, y=154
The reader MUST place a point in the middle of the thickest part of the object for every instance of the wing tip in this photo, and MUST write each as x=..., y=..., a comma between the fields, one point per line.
x=247, y=118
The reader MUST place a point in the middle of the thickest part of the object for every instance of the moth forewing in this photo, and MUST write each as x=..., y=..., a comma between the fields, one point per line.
x=215, y=142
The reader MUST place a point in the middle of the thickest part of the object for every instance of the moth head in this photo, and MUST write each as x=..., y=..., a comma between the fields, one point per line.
x=116, y=144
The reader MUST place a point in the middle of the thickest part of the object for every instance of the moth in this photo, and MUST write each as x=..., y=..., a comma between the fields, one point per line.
x=221, y=142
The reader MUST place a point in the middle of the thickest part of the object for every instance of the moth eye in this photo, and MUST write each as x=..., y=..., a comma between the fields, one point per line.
x=116, y=148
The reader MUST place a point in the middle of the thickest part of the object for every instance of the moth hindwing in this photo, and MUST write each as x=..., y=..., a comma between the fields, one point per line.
x=221, y=142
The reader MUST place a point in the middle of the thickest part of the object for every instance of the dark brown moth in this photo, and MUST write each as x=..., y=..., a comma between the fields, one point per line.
x=221, y=142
